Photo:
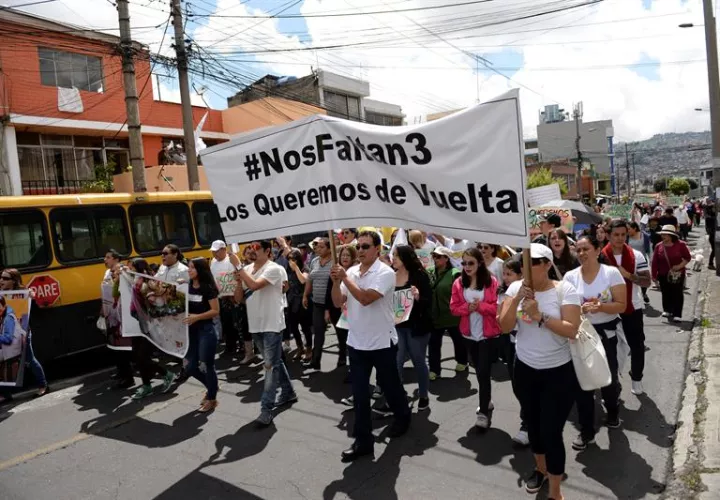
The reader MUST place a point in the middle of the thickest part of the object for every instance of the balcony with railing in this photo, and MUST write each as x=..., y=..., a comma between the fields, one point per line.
x=56, y=187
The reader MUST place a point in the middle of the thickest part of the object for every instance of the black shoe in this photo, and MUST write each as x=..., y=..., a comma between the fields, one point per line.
x=646, y=299
x=384, y=410
x=423, y=404
x=182, y=377
x=711, y=267
x=535, y=482
x=341, y=363
x=311, y=366
x=115, y=376
x=356, y=451
x=581, y=443
x=612, y=423
x=399, y=428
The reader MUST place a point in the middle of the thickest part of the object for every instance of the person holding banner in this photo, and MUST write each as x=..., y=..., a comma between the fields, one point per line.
x=316, y=288
x=266, y=321
x=12, y=342
x=203, y=306
x=474, y=300
x=546, y=317
x=298, y=317
x=367, y=290
x=414, y=332
x=223, y=266
x=442, y=276
x=347, y=257
x=11, y=279
x=124, y=374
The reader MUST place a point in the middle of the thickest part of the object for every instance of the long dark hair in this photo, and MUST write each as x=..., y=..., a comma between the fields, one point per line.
x=141, y=266
x=204, y=276
x=484, y=278
x=175, y=250
x=16, y=278
x=297, y=257
x=409, y=258
x=565, y=260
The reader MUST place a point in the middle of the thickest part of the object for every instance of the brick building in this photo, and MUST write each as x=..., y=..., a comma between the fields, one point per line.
x=62, y=106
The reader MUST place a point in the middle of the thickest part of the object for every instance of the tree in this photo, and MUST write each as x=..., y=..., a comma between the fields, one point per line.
x=660, y=185
x=693, y=183
x=678, y=187
x=543, y=177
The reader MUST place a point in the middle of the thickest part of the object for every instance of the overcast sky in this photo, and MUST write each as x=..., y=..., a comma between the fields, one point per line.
x=627, y=60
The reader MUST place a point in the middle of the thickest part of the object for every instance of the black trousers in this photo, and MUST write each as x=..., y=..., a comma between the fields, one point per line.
x=123, y=363
x=385, y=363
x=673, y=297
x=634, y=329
x=143, y=350
x=319, y=328
x=484, y=353
x=711, y=237
x=547, y=397
x=510, y=358
x=297, y=320
x=241, y=322
x=435, y=348
x=611, y=394
x=227, y=321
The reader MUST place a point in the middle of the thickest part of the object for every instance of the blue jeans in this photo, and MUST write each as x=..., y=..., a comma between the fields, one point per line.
x=416, y=346
x=270, y=344
x=201, y=357
x=35, y=365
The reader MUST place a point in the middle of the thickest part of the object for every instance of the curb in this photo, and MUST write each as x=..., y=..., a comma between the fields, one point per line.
x=686, y=460
x=57, y=385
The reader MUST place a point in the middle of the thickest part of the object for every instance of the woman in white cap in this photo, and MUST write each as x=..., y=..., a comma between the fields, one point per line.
x=545, y=318
x=668, y=268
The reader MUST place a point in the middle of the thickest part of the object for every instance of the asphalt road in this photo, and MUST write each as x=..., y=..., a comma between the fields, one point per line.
x=88, y=442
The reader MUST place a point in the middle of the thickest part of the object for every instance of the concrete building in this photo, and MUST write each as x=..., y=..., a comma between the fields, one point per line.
x=62, y=107
x=556, y=141
x=339, y=95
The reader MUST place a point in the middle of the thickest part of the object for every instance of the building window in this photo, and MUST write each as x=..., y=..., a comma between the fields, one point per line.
x=342, y=106
x=68, y=70
x=23, y=238
x=382, y=119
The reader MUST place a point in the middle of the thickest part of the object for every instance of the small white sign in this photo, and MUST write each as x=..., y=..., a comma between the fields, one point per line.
x=543, y=194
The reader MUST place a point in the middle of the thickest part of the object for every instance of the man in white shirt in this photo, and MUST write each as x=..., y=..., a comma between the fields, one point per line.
x=265, y=303
x=683, y=221
x=635, y=279
x=367, y=289
x=171, y=269
x=222, y=267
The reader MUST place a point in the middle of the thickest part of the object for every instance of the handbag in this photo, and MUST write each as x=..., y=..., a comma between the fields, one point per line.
x=673, y=276
x=588, y=355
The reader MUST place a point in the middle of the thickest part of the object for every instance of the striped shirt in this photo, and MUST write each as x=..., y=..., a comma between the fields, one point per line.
x=320, y=277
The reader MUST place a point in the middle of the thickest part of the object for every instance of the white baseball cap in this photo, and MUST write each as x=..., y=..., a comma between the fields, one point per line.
x=217, y=245
x=540, y=251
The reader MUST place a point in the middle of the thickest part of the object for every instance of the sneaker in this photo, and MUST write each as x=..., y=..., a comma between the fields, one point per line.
x=637, y=388
x=482, y=422
x=521, y=438
x=265, y=419
x=491, y=407
x=142, y=391
x=284, y=401
x=433, y=376
x=646, y=299
x=377, y=393
x=535, y=482
x=286, y=347
x=348, y=401
x=423, y=404
x=460, y=367
x=665, y=315
x=676, y=319
x=612, y=422
x=581, y=443
x=168, y=380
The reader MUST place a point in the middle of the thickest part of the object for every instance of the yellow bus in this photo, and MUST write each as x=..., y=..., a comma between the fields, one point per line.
x=58, y=243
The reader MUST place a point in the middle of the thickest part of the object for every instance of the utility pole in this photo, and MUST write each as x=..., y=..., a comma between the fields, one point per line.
x=132, y=107
x=632, y=157
x=187, y=116
x=627, y=170
x=577, y=114
x=713, y=85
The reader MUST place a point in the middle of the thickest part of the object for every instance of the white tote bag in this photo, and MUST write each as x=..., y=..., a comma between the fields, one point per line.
x=589, y=358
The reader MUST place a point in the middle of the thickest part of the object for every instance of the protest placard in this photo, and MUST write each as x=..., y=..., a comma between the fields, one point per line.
x=619, y=211
x=402, y=307
x=154, y=309
x=15, y=324
x=565, y=214
x=425, y=257
x=111, y=311
x=543, y=194
x=463, y=175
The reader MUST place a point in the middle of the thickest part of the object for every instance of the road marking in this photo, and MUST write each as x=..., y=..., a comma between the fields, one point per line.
x=93, y=432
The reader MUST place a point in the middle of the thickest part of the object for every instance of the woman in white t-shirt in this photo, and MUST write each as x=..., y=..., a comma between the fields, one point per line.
x=493, y=263
x=602, y=291
x=545, y=318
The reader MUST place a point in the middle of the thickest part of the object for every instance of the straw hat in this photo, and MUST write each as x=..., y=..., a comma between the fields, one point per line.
x=668, y=229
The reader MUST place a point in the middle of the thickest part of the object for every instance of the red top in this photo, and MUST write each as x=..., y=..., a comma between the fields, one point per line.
x=487, y=308
x=676, y=253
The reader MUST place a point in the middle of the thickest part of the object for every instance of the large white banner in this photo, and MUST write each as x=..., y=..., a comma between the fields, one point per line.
x=462, y=175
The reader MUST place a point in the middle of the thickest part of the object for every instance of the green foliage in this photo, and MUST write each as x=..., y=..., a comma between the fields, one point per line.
x=660, y=185
x=678, y=187
x=103, y=182
x=693, y=183
x=543, y=177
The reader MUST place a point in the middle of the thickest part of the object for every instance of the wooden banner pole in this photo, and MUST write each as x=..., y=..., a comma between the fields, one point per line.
x=527, y=268
x=333, y=249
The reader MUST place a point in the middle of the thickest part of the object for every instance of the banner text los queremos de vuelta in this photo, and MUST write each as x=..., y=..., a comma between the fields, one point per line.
x=462, y=175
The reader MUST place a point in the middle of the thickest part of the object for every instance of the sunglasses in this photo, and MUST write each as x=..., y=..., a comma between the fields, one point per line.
x=537, y=262
x=365, y=246
x=5, y=278
x=166, y=253
x=436, y=256
x=468, y=263
x=484, y=247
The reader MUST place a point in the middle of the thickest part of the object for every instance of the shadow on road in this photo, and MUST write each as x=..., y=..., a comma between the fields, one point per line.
x=365, y=478
x=452, y=389
x=198, y=485
x=249, y=440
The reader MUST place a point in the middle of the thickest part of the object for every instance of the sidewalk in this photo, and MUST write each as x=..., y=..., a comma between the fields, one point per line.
x=696, y=451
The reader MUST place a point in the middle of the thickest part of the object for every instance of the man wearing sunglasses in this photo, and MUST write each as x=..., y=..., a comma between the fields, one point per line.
x=367, y=290
x=349, y=236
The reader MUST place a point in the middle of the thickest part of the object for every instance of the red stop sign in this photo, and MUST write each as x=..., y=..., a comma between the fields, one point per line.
x=46, y=288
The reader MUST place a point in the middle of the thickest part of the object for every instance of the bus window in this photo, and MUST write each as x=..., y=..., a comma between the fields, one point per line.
x=159, y=224
x=88, y=233
x=23, y=240
x=207, y=223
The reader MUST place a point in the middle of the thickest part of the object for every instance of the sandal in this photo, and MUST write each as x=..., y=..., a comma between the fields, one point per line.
x=204, y=399
x=208, y=406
